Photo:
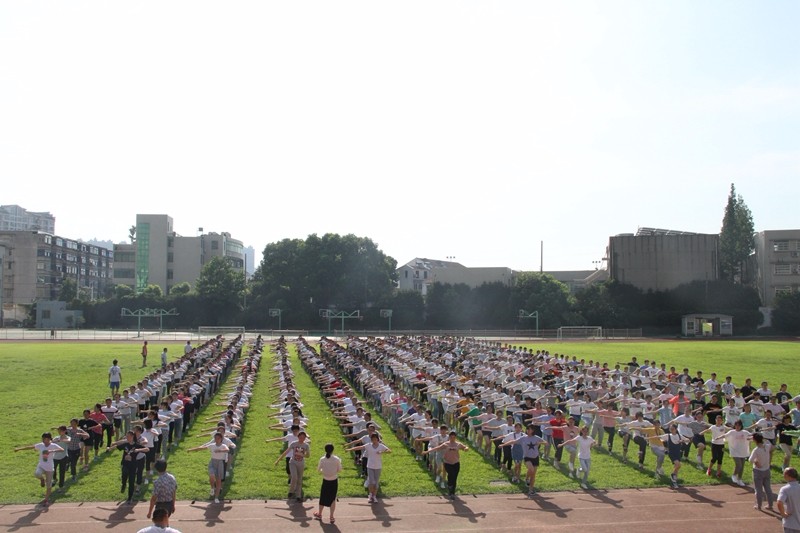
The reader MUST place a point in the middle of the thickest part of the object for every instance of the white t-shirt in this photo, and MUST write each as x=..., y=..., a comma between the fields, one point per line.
x=218, y=451
x=738, y=445
x=373, y=454
x=584, y=447
x=158, y=529
x=114, y=374
x=329, y=467
x=46, y=455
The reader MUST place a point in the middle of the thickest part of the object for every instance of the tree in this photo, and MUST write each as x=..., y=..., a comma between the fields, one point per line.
x=220, y=288
x=152, y=291
x=544, y=293
x=786, y=314
x=132, y=234
x=69, y=290
x=180, y=289
x=123, y=291
x=736, y=241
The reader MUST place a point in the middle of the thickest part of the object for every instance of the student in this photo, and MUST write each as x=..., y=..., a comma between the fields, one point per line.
x=130, y=449
x=530, y=447
x=452, y=461
x=216, y=465
x=584, y=444
x=164, y=359
x=297, y=452
x=76, y=436
x=160, y=523
x=675, y=445
x=789, y=501
x=114, y=377
x=759, y=458
x=329, y=466
x=516, y=451
x=785, y=439
x=165, y=489
x=88, y=425
x=61, y=459
x=373, y=451
x=45, y=467
x=144, y=354
x=718, y=432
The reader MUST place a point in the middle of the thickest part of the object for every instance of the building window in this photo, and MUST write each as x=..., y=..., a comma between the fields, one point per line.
x=215, y=245
x=406, y=274
x=783, y=270
x=780, y=246
x=46, y=314
x=425, y=274
x=125, y=273
x=169, y=274
x=170, y=257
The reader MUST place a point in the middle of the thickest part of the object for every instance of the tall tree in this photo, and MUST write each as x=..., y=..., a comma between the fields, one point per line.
x=546, y=295
x=220, y=288
x=736, y=241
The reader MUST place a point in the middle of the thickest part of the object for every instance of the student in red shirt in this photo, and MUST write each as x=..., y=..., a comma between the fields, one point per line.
x=558, y=435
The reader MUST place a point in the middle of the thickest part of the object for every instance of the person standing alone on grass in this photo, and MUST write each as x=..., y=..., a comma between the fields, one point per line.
x=144, y=354
x=789, y=501
x=164, y=359
x=114, y=377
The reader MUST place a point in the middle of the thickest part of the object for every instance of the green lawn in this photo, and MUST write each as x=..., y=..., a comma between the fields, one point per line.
x=45, y=384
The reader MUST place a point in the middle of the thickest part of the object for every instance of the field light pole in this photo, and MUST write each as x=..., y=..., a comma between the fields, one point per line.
x=387, y=313
x=276, y=312
x=524, y=314
x=330, y=314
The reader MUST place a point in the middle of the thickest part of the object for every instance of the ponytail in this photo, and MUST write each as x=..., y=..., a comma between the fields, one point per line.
x=328, y=450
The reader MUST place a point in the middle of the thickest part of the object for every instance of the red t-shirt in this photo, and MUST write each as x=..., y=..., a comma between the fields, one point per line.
x=100, y=418
x=557, y=424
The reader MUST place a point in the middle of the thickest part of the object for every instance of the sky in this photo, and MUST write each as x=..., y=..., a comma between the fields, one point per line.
x=449, y=129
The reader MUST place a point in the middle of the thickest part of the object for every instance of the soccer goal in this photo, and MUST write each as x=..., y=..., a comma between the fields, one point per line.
x=229, y=332
x=580, y=332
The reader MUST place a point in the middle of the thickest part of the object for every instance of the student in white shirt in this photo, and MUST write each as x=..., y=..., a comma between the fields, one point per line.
x=216, y=466
x=45, y=467
x=329, y=466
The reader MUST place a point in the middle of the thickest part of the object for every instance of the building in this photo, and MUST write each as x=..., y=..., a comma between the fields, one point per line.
x=16, y=218
x=420, y=274
x=707, y=325
x=159, y=256
x=777, y=264
x=35, y=265
x=660, y=260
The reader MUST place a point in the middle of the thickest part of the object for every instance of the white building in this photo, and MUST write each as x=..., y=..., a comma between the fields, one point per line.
x=777, y=259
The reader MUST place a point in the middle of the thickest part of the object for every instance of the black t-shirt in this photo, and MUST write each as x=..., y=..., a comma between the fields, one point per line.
x=127, y=451
x=782, y=437
x=697, y=404
x=782, y=396
x=712, y=410
x=747, y=390
x=86, y=424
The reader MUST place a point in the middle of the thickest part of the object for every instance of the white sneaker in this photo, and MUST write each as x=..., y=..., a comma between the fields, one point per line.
x=443, y=485
x=216, y=500
x=734, y=479
x=211, y=494
x=438, y=479
x=740, y=483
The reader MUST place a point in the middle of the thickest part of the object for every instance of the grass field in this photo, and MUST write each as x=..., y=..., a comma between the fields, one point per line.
x=45, y=384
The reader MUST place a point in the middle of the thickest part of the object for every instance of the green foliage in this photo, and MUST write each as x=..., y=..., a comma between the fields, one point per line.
x=123, y=291
x=786, y=314
x=332, y=271
x=543, y=293
x=180, y=289
x=152, y=291
x=736, y=241
x=220, y=288
x=69, y=290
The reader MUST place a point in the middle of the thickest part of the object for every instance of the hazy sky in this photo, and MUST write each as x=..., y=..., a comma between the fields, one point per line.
x=466, y=129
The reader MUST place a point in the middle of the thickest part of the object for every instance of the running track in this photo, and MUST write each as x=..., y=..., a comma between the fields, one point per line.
x=717, y=508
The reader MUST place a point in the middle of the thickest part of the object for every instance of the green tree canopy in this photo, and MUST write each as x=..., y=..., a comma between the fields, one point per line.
x=220, y=286
x=69, y=290
x=333, y=271
x=786, y=314
x=152, y=291
x=180, y=289
x=736, y=241
x=535, y=291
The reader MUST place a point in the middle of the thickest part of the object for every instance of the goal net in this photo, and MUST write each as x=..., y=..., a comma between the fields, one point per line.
x=580, y=332
x=229, y=332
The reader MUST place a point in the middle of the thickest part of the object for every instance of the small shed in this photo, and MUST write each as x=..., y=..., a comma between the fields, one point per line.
x=707, y=325
x=54, y=314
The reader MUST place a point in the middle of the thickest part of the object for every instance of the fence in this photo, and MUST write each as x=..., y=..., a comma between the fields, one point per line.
x=20, y=334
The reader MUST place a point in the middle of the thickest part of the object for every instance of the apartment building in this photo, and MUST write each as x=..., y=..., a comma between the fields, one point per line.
x=777, y=258
x=159, y=256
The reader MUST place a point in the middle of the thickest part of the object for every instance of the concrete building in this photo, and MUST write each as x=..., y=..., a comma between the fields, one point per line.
x=420, y=274
x=16, y=218
x=663, y=259
x=777, y=263
x=35, y=265
x=707, y=325
x=159, y=256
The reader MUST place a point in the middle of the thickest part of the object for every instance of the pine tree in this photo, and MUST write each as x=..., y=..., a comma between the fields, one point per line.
x=736, y=241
